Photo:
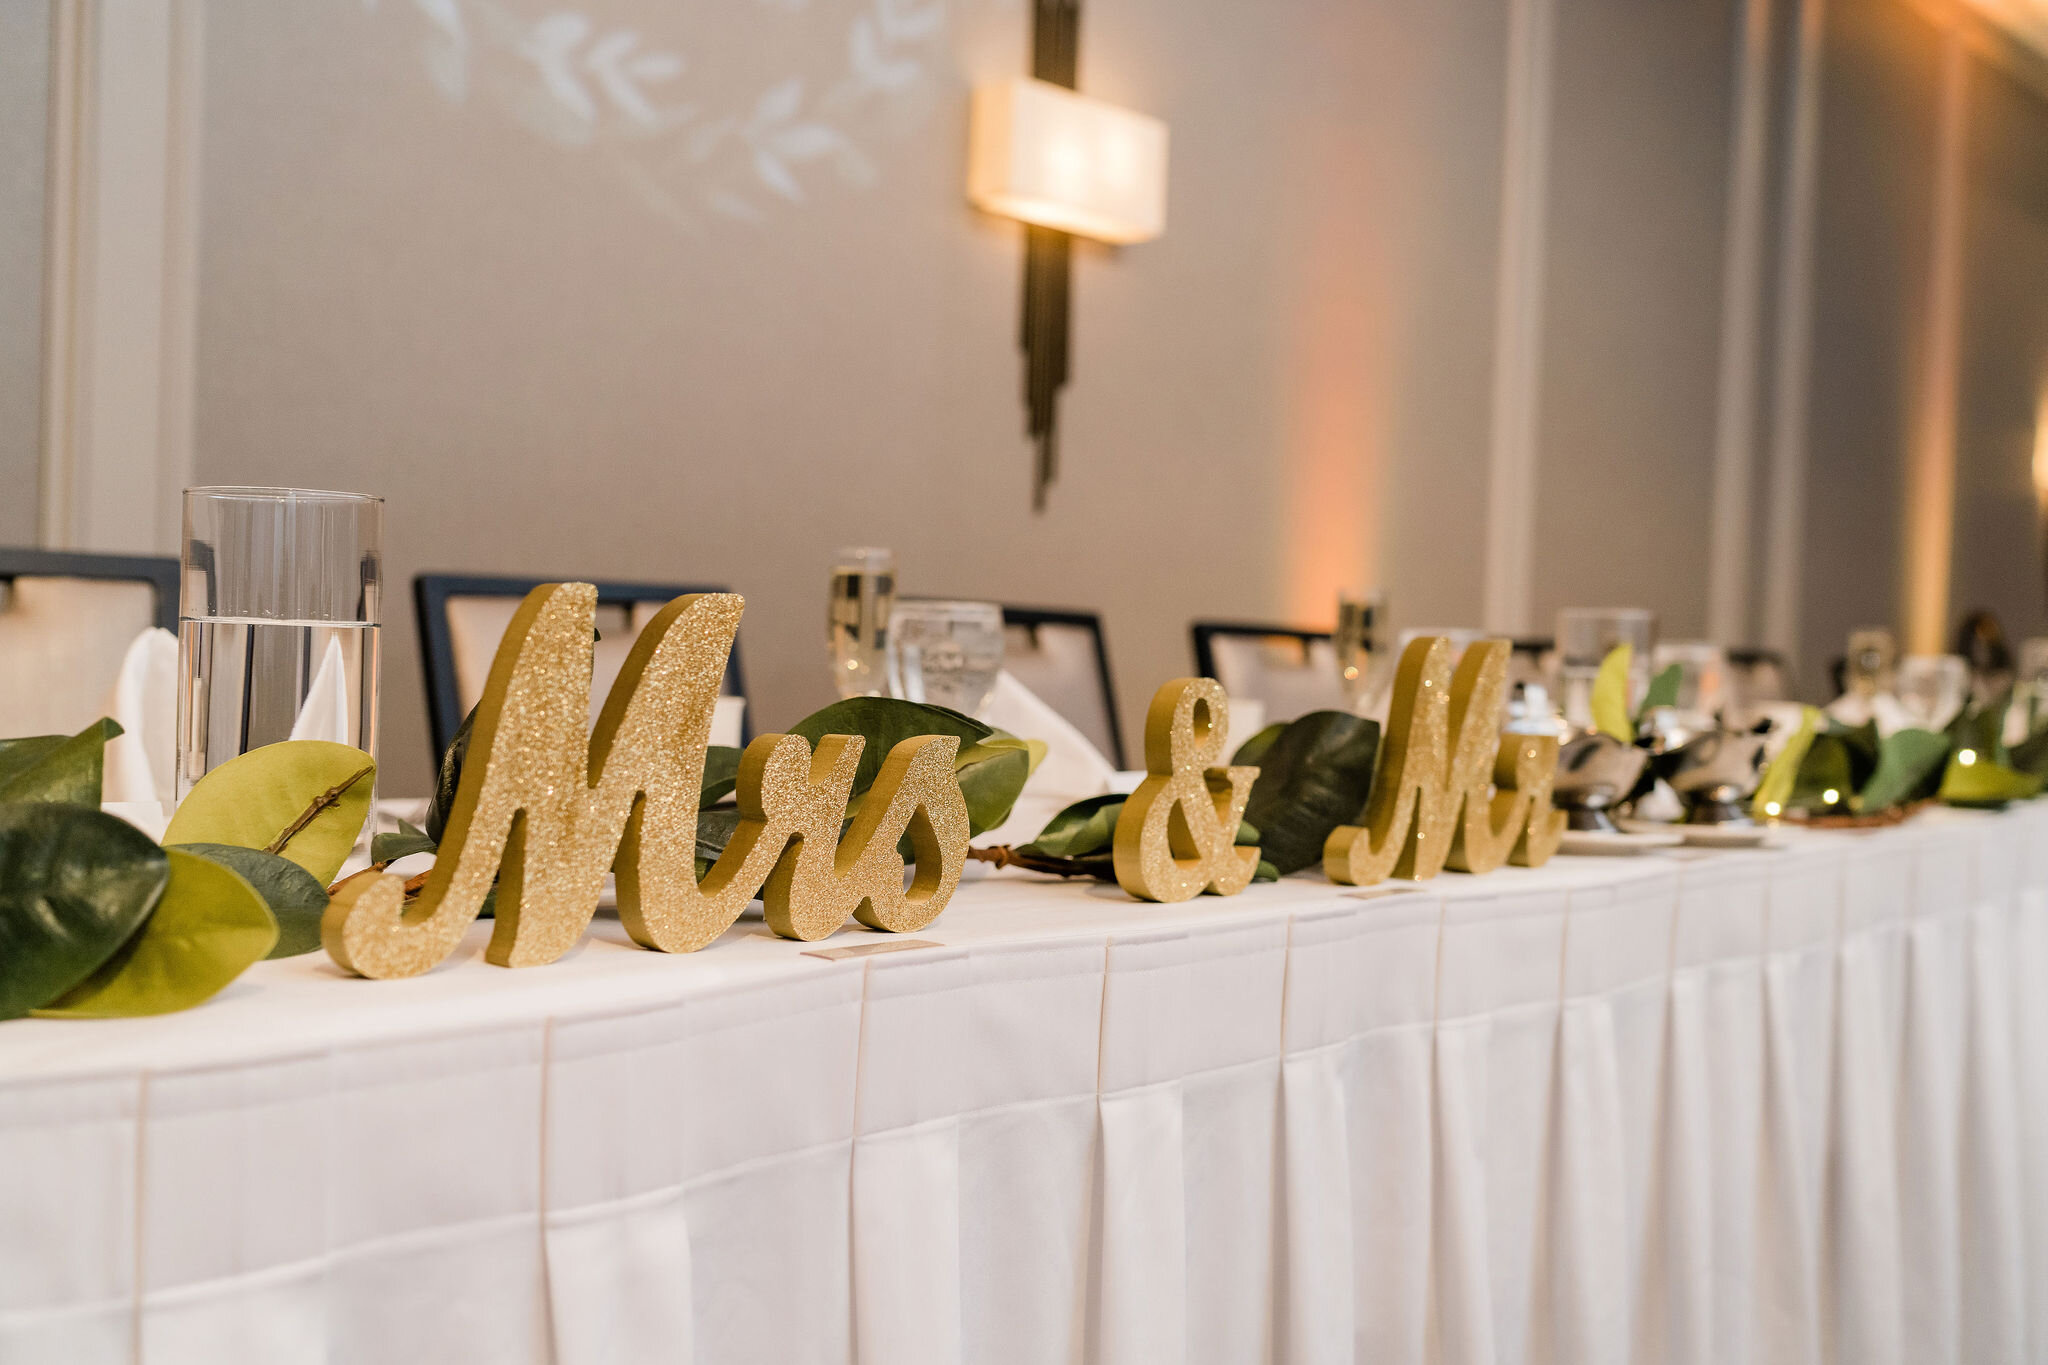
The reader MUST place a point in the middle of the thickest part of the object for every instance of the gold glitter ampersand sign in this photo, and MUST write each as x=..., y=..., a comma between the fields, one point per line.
x=1450, y=790
x=545, y=807
x=1177, y=835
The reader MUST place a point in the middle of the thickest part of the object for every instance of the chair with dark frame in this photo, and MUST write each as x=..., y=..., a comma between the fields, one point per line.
x=66, y=621
x=463, y=616
x=1287, y=669
x=1063, y=657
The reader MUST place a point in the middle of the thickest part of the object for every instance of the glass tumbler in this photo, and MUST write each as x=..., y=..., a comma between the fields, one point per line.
x=1585, y=637
x=945, y=653
x=279, y=605
x=1356, y=615
x=857, y=619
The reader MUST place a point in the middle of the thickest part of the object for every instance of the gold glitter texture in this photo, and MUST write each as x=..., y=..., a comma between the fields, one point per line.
x=546, y=808
x=822, y=878
x=1404, y=834
x=1451, y=790
x=1177, y=834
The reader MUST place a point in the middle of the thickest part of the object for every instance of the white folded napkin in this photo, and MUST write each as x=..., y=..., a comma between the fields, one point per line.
x=140, y=762
x=1073, y=768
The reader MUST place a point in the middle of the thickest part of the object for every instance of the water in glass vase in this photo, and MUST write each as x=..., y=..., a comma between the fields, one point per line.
x=249, y=682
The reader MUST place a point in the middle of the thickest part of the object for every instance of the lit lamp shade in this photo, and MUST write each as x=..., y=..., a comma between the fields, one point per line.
x=1043, y=154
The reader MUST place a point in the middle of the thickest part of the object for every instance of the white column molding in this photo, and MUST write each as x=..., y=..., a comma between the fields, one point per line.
x=1930, y=505
x=1742, y=272
x=1510, y=564
x=1785, y=543
x=123, y=177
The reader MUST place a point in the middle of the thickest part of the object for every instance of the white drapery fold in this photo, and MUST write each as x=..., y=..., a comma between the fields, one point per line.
x=1775, y=1107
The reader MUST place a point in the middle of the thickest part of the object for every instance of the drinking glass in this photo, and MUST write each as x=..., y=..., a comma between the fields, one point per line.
x=945, y=653
x=279, y=604
x=1932, y=687
x=1702, y=678
x=1585, y=636
x=2033, y=678
x=1356, y=615
x=857, y=620
x=1872, y=654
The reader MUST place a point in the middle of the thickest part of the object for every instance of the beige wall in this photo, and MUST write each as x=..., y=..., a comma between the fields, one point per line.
x=24, y=130
x=562, y=341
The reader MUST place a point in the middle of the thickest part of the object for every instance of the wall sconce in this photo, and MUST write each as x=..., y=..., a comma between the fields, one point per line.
x=1044, y=155
x=1061, y=164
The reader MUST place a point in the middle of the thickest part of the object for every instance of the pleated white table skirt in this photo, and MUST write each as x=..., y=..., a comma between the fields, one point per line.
x=1771, y=1106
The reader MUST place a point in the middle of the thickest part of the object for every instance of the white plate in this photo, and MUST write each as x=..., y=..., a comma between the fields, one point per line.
x=1709, y=836
x=1599, y=843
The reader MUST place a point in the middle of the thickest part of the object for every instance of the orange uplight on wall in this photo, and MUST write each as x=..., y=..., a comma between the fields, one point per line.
x=1045, y=155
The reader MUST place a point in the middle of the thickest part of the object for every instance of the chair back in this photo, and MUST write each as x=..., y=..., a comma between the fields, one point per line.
x=1062, y=657
x=66, y=621
x=1756, y=676
x=1287, y=670
x=462, y=617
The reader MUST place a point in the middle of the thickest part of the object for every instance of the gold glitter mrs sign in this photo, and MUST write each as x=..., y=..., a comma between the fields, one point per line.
x=545, y=807
x=1177, y=835
x=1451, y=789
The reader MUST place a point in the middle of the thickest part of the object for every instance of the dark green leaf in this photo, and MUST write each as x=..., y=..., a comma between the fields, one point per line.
x=1313, y=777
x=449, y=779
x=1865, y=749
x=1824, y=770
x=991, y=776
x=1908, y=768
x=295, y=898
x=1252, y=752
x=74, y=886
x=1663, y=691
x=2031, y=754
x=714, y=831
x=209, y=926
x=1980, y=727
x=886, y=722
x=1081, y=829
x=721, y=773
x=389, y=848
x=56, y=767
x=1266, y=872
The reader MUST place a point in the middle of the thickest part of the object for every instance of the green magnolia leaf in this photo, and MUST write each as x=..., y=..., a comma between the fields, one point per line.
x=991, y=776
x=1663, y=691
x=389, y=848
x=305, y=799
x=295, y=899
x=75, y=885
x=1610, y=695
x=1085, y=827
x=207, y=929
x=1266, y=872
x=449, y=779
x=1980, y=727
x=1774, y=793
x=714, y=831
x=1313, y=777
x=2030, y=755
x=1252, y=752
x=1907, y=764
x=1823, y=780
x=886, y=722
x=721, y=773
x=1985, y=784
x=56, y=767
x=1865, y=749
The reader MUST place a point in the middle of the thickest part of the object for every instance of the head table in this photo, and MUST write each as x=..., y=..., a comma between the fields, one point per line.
x=1773, y=1105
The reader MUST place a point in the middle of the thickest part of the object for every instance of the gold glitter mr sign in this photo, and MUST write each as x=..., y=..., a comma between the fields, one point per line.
x=1451, y=789
x=1177, y=835
x=546, y=806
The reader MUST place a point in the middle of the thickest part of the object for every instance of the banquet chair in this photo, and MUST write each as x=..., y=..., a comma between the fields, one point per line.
x=66, y=621
x=463, y=616
x=1063, y=658
x=1287, y=670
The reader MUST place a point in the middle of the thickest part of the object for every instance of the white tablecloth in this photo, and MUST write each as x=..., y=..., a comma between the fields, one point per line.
x=1770, y=1106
